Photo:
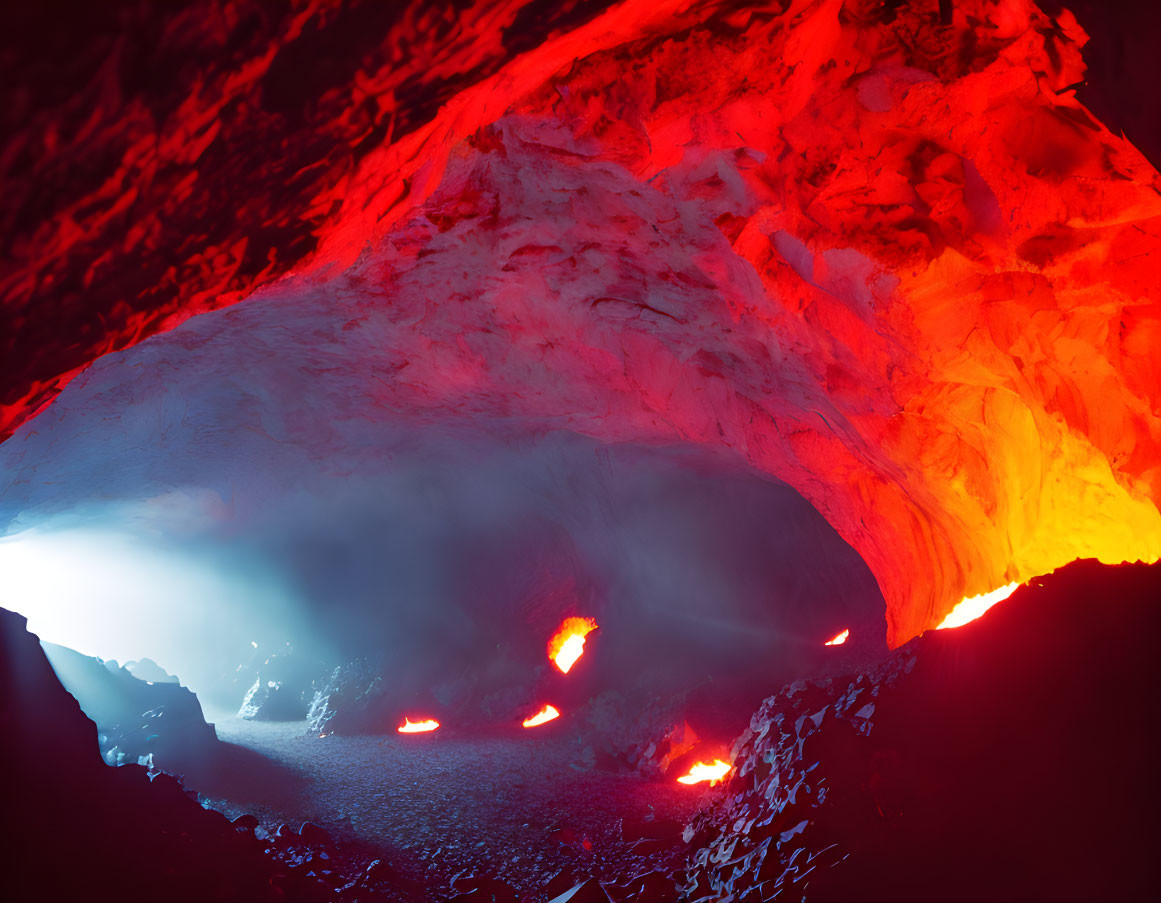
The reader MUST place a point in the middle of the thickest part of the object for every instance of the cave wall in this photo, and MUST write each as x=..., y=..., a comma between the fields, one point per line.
x=158, y=163
x=888, y=258
x=1030, y=779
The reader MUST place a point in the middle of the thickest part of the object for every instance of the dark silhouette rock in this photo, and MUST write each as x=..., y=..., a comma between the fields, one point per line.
x=1012, y=759
x=652, y=887
x=589, y=891
x=481, y=889
x=560, y=883
x=313, y=835
x=91, y=832
x=245, y=822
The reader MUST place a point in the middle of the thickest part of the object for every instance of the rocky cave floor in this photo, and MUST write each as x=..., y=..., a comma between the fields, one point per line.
x=1012, y=759
x=525, y=809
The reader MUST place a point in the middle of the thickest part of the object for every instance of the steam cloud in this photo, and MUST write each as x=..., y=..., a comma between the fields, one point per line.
x=452, y=560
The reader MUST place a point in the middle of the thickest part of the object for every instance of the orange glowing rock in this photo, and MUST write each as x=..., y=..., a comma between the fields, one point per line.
x=838, y=639
x=973, y=606
x=703, y=771
x=967, y=318
x=568, y=643
x=546, y=714
x=417, y=727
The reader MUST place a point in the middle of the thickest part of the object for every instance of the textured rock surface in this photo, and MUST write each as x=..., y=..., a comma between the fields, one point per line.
x=136, y=719
x=283, y=688
x=885, y=257
x=79, y=829
x=519, y=806
x=273, y=701
x=163, y=162
x=353, y=699
x=1009, y=759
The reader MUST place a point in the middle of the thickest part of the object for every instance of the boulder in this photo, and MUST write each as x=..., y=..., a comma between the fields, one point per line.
x=352, y=699
x=283, y=687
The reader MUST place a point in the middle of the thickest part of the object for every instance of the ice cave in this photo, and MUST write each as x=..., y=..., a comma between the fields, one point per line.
x=580, y=451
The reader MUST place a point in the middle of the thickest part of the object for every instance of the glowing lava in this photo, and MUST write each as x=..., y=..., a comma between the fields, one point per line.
x=417, y=727
x=838, y=639
x=546, y=714
x=568, y=643
x=973, y=606
x=703, y=771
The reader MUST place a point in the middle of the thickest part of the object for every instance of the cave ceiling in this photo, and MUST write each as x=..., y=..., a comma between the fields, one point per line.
x=879, y=251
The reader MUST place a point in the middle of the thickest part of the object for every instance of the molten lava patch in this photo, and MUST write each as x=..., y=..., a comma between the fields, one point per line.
x=704, y=771
x=838, y=639
x=546, y=714
x=568, y=643
x=417, y=727
x=973, y=606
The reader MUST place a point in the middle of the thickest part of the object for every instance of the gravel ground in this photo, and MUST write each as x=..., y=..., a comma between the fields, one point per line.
x=519, y=807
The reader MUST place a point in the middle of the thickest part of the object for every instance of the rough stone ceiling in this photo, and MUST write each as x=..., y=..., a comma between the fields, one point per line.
x=891, y=261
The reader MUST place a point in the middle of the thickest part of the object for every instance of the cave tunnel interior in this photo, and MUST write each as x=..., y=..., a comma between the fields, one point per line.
x=631, y=452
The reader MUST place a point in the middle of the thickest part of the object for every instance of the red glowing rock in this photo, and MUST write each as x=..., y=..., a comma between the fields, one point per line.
x=891, y=260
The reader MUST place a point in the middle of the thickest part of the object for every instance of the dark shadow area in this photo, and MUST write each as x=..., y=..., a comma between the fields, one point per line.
x=1123, y=66
x=1010, y=759
x=78, y=829
x=247, y=778
x=161, y=724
